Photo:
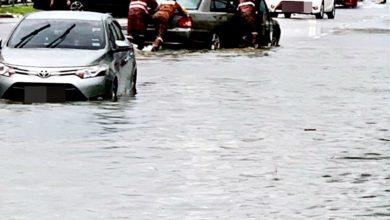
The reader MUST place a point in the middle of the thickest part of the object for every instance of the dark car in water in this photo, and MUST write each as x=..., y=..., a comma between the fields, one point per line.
x=214, y=24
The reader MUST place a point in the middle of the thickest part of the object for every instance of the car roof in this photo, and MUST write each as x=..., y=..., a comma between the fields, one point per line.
x=79, y=15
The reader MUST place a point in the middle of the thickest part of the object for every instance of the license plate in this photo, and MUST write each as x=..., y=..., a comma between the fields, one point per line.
x=39, y=94
x=296, y=6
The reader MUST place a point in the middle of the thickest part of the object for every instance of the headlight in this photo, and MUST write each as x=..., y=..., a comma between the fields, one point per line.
x=5, y=70
x=93, y=71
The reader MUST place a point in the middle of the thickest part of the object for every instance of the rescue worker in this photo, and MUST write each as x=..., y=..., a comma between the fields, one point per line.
x=165, y=11
x=247, y=11
x=138, y=18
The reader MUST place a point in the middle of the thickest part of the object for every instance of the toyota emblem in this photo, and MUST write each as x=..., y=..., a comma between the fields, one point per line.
x=44, y=74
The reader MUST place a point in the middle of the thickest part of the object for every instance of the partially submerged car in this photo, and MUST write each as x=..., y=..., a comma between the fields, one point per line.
x=213, y=24
x=314, y=7
x=67, y=56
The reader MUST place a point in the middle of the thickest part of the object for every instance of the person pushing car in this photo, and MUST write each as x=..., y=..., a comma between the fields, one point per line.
x=247, y=11
x=165, y=11
x=138, y=19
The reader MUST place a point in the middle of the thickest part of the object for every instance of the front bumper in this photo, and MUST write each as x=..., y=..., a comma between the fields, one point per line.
x=76, y=89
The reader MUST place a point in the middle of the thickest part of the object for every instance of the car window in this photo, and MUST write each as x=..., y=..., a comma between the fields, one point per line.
x=263, y=13
x=263, y=7
x=118, y=31
x=74, y=34
x=187, y=4
x=219, y=5
x=113, y=32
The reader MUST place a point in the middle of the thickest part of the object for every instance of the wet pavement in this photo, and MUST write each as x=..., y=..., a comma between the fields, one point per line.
x=295, y=132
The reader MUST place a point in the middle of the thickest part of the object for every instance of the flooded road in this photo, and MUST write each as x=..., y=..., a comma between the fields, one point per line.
x=295, y=132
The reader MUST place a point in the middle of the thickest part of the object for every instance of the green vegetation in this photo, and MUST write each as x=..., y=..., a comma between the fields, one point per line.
x=17, y=9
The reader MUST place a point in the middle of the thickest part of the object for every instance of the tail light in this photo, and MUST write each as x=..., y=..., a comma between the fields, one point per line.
x=184, y=22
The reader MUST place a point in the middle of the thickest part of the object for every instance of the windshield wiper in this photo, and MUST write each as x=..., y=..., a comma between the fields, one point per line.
x=24, y=40
x=60, y=38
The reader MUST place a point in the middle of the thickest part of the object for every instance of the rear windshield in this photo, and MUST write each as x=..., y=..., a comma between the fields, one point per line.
x=73, y=34
x=187, y=4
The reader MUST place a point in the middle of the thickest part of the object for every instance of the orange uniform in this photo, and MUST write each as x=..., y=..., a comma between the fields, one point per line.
x=138, y=18
x=165, y=11
x=247, y=10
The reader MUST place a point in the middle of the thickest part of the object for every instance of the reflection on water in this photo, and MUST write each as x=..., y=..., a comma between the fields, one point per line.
x=296, y=132
x=170, y=55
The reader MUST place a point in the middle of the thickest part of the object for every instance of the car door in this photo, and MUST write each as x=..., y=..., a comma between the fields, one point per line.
x=122, y=60
x=265, y=23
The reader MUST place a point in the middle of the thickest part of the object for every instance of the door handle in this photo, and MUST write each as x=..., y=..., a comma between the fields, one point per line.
x=221, y=18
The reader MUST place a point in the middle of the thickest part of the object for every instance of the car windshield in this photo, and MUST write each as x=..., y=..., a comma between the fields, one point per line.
x=187, y=4
x=73, y=34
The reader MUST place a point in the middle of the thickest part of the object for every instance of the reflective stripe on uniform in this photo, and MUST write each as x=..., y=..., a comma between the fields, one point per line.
x=168, y=2
x=246, y=3
x=139, y=4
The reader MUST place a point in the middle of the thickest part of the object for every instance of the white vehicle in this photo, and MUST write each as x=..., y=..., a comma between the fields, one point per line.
x=315, y=7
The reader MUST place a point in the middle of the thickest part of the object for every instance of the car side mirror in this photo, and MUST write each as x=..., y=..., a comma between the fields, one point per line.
x=121, y=46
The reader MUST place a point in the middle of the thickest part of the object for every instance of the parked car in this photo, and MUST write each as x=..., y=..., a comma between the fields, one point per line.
x=115, y=7
x=212, y=24
x=315, y=7
x=67, y=56
x=347, y=3
x=9, y=2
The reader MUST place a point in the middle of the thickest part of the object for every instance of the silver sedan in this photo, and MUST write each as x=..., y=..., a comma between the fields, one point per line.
x=67, y=56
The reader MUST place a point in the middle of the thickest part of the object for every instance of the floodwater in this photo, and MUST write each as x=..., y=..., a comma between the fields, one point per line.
x=301, y=131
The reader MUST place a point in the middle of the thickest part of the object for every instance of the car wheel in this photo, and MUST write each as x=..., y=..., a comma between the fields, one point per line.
x=133, y=83
x=320, y=15
x=287, y=15
x=332, y=13
x=215, y=42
